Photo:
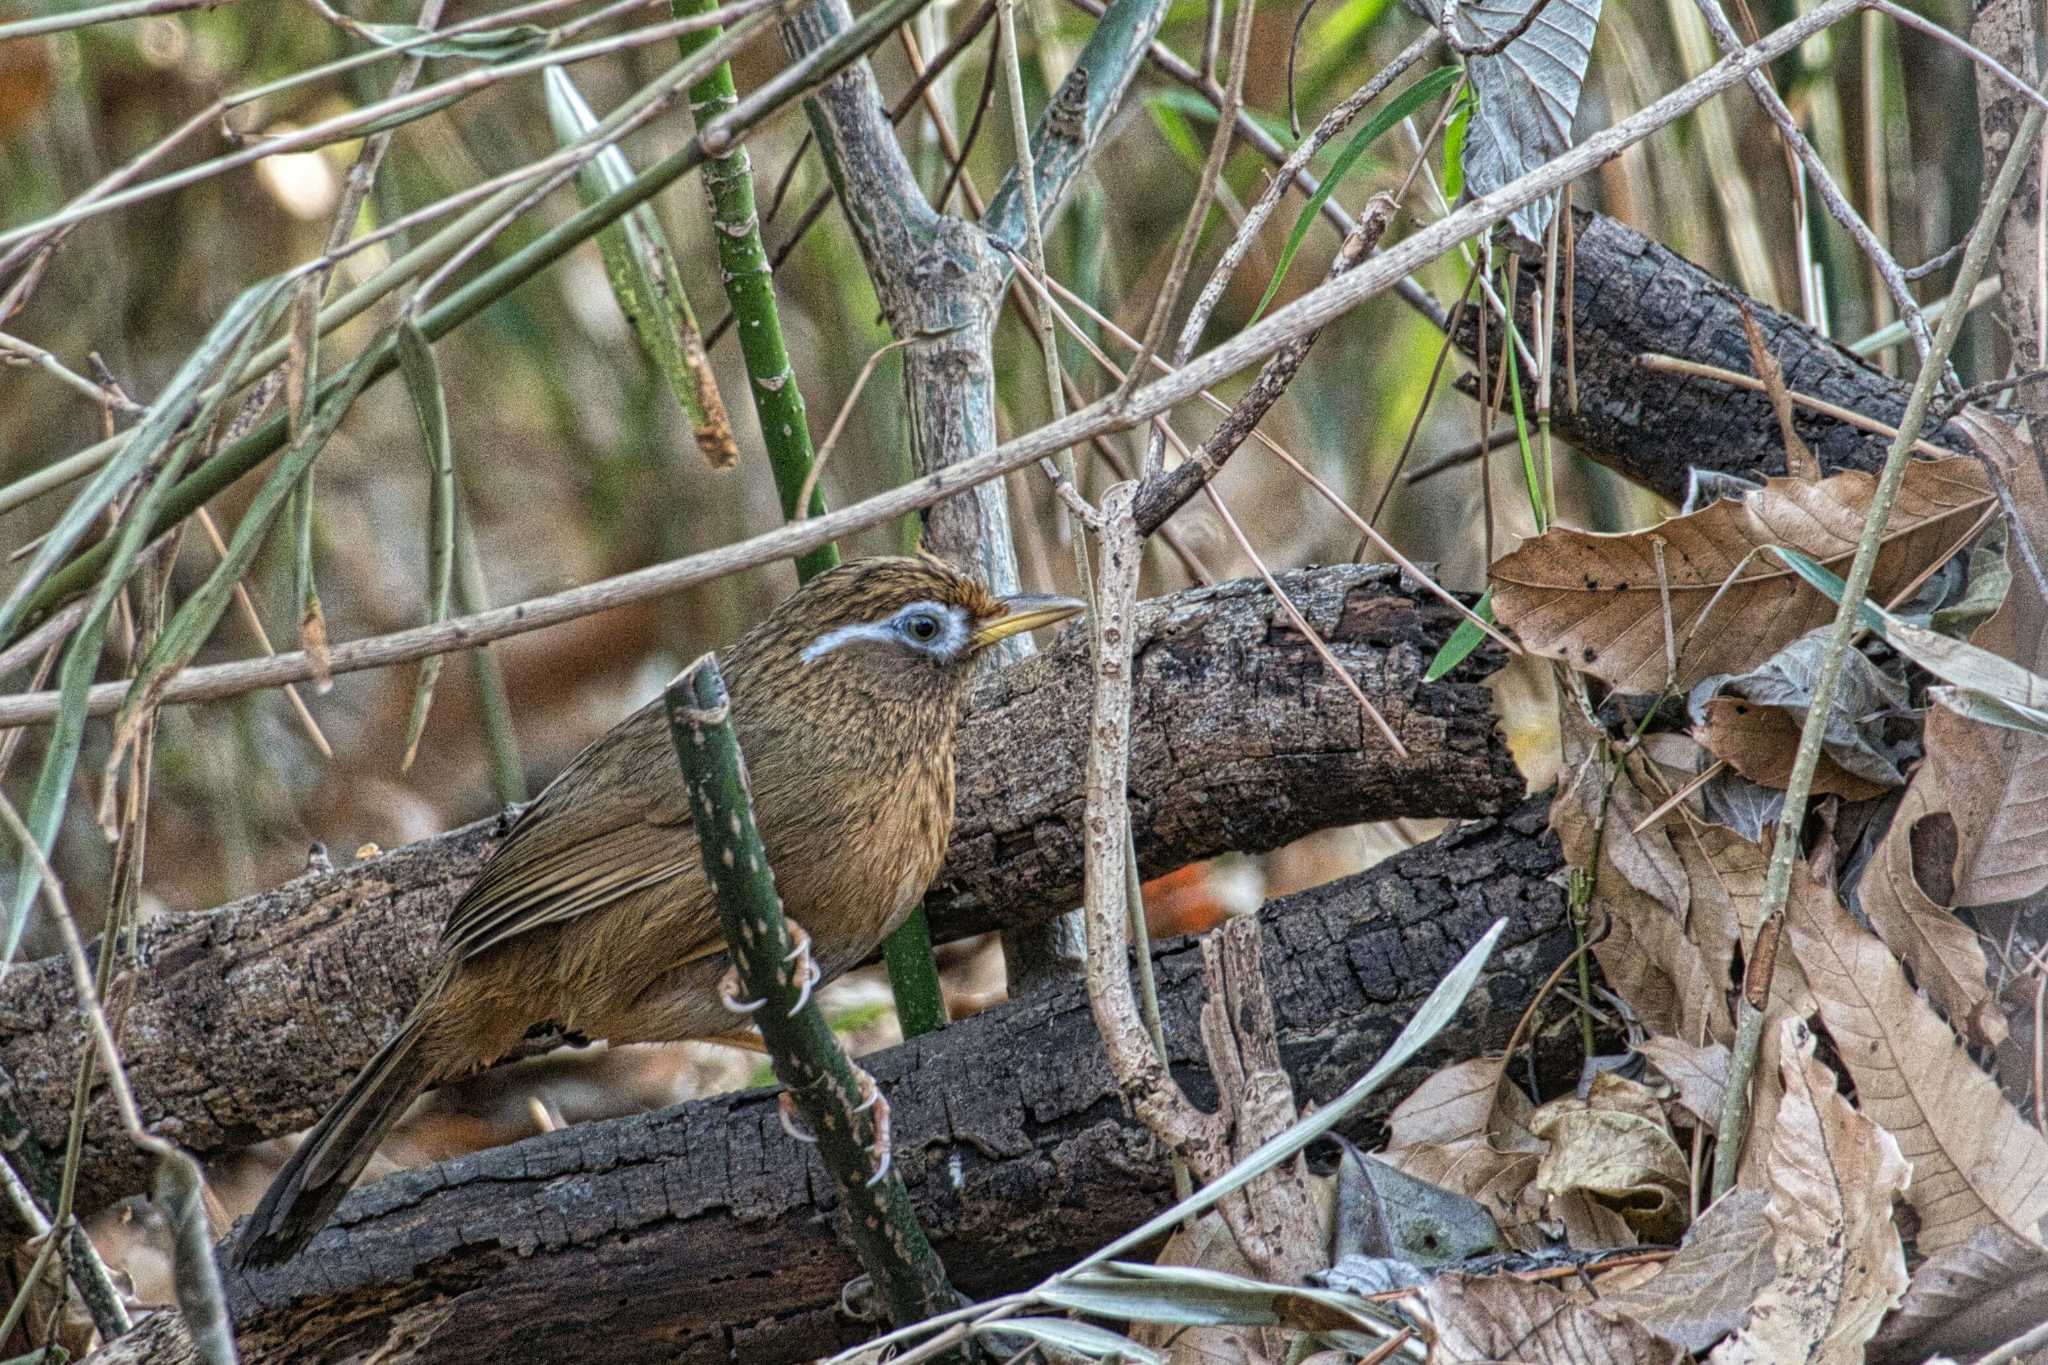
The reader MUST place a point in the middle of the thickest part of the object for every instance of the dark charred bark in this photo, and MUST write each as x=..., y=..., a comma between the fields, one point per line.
x=1633, y=296
x=246, y=1021
x=704, y=1233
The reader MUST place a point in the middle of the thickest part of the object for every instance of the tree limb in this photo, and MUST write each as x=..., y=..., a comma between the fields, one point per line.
x=247, y=1020
x=702, y=1233
x=1632, y=296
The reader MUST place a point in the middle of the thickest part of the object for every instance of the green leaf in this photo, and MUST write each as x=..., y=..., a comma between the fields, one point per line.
x=178, y=410
x=1982, y=706
x=1463, y=641
x=195, y=619
x=1190, y=1296
x=1823, y=579
x=1401, y=106
x=225, y=350
x=645, y=280
x=1534, y=484
x=1168, y=118
x=491, y=45
x=429, y=402
x=1454, y=145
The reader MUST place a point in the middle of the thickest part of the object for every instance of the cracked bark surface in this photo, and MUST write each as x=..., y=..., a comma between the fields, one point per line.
x=1632, y=295
x=703, y=1233
x=246, y=1021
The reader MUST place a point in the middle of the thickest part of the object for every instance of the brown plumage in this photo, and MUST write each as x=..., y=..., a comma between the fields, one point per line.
x=593, y=914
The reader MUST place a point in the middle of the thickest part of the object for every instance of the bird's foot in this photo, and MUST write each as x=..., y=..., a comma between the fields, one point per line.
x=729, y=993
x=785, y=1110
x=879, y=1148
x=806, y=973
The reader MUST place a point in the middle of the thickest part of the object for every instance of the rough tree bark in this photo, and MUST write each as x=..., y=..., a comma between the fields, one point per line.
x=1632, y=296
x=704, y=1233
x=246, y=1021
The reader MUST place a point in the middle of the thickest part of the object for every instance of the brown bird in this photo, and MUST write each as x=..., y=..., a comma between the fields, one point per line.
x=594, y=915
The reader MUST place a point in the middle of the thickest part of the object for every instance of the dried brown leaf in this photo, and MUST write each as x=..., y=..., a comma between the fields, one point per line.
x=1995, y=781
x=1727, y=872
x=1496, y=1319
x=1833, y=1175
x=1704, y=1292
x=1641, y=889
x=1975, y=1162
x=1464, y=1100
x=1623, y=1161
x=1760, y=742
x=1966, y=1300
x=1594, y=600
x=1699, y=1072
x=1946, y=957
x=1799, y=461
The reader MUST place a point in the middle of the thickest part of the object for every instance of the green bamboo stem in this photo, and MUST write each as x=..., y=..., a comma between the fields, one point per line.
x=838, y=1101
x=779, y=403
x=750, y=290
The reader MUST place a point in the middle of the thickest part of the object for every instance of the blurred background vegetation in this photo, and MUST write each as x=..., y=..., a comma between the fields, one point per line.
x=576, y=463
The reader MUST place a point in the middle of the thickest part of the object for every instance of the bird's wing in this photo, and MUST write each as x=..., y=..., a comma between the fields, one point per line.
x=549, y=872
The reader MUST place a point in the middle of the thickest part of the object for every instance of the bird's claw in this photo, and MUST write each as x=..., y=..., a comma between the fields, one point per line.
x=729, y=993
x=879, y=1149
x=785, y=1110
x=807, y=967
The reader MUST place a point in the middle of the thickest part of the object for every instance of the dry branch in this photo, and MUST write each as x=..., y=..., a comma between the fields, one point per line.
x=703, y=1233
x=245, y=1021
x=1633, y=296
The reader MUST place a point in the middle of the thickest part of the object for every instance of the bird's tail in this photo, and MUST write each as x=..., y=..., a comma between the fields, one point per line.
x=304, y=1195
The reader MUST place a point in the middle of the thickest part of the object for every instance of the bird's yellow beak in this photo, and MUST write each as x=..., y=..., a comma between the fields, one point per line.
x=1024, y=612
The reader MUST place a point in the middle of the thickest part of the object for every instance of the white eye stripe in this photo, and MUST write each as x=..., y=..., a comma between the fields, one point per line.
x=951, y=640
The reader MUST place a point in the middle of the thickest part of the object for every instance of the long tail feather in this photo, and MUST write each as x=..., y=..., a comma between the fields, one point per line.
x=304, y=1195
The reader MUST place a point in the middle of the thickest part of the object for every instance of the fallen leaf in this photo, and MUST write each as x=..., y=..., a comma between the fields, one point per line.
x=1699, y=1072
x=1640, y=889
x=1975, y=1162
x=1966, y=1299
x=1704, y=1292
x=1623, y=1161
x=1839, y=1266
x=1946, y=957
x=1727, y=875
x=1468, y=1099
x=1473, y=1168
x=1760, y=742
x=1498, y=1319
x=1594, y=601
x=1996, y=780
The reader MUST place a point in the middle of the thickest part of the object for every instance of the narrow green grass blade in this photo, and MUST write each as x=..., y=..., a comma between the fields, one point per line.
x=177, y=409
x=1463, y=641
x=1401, y=106
x=644, y=279
x=195, y=619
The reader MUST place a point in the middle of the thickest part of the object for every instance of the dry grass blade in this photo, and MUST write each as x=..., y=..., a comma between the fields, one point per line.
x=1799, y=460
x=1595, y=601
x=1975, y=1162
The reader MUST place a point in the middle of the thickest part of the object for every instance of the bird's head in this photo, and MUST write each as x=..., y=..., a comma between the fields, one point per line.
x=892, y=628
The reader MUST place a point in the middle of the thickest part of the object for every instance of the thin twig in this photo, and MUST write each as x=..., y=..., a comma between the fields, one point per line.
x=1671, y=364
x=1734, y=1117
x=1831, y=194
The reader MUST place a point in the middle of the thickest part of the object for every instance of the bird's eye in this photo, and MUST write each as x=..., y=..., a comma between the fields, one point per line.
x=923, y=627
